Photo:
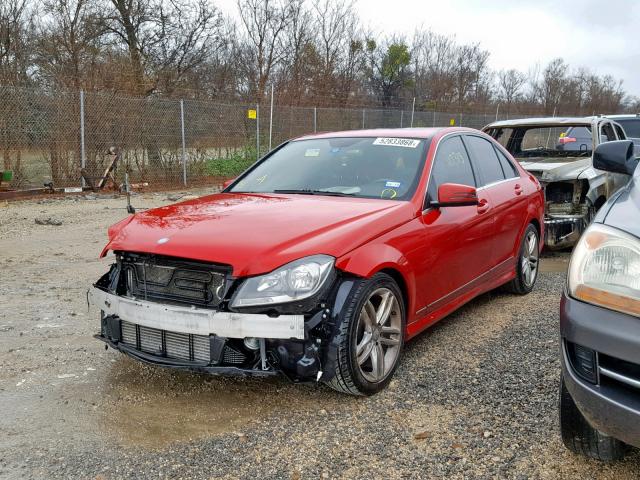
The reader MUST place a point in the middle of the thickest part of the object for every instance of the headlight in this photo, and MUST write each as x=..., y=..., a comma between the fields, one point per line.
x=605, y=269
x=294, y=281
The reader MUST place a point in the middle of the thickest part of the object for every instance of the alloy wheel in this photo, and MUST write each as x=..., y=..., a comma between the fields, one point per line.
x=530, y=258
x=378, y=335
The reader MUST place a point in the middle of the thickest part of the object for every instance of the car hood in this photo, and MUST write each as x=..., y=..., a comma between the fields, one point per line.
x=256, y=233
x=555, y=169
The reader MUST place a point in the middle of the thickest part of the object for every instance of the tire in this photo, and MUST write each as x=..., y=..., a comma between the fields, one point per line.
x=580, y=437
x=355, y=373
x=528, y=263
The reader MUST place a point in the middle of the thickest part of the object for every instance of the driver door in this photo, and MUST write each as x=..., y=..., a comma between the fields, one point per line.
x=456, y=240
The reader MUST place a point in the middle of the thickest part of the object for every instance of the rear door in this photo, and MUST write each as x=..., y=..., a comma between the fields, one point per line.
x=500, y=180
x=456, y=239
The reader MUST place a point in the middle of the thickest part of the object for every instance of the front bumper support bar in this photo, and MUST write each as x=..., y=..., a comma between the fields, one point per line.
x=198, y=321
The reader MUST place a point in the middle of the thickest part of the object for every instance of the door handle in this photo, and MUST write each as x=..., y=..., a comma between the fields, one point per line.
x=518, y=189
x=483, y=205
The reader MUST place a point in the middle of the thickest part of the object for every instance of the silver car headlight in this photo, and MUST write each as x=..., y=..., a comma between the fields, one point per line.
x=605, y=269
x=297, y=280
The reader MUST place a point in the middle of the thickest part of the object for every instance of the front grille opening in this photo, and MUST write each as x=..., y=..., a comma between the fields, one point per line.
x=621, y=367
x=161, y=343
x=170, y=280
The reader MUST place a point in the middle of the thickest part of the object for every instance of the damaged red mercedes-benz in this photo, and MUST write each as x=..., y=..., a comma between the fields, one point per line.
x=324, y=257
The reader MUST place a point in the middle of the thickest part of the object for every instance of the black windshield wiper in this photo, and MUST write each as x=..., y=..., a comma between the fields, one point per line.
x=306, y=191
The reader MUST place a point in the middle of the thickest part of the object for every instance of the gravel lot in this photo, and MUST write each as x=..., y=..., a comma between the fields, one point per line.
x=474, y=397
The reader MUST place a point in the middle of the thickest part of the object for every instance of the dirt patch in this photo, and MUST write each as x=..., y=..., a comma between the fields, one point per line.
x=555, y=264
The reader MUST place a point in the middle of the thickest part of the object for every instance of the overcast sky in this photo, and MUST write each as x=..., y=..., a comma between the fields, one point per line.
x=602, y=35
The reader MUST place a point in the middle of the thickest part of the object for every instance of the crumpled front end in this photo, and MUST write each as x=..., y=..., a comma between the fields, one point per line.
x=176, y=313
x=568, y=211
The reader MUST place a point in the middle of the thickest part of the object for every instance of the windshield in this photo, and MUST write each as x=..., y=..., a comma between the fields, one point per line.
x=555, y=141
x=369, y=167
x=631, y=126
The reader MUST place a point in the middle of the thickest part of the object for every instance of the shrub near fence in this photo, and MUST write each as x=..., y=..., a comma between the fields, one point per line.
x=49, y=136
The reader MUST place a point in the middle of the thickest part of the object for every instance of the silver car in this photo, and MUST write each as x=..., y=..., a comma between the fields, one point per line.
x=558, y=152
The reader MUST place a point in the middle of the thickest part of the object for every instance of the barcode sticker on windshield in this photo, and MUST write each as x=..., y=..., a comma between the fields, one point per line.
x=397, y=142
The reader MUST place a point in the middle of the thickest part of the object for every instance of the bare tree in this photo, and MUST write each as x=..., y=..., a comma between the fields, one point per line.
x=264, y=22
x=510, y=83
x=69, y=43
x=16, y=35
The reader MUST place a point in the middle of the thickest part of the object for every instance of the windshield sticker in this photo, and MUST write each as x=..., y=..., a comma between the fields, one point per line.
x=312, y=152
x=392, y=184
x=388, y=193
x=397, y=142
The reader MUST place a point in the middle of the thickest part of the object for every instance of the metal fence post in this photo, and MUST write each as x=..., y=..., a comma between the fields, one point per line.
x=271, y=119
x=315, y=119
x=257, y=131
x=401, y=115
x=413, y=109
x=497, y=111
x=184, y=147
x=83, y=157
x=363, y=118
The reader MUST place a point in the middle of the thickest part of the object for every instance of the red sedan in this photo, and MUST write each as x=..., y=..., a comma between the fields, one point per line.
x=324, y=257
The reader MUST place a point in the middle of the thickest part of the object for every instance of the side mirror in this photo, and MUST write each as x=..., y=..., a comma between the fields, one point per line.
x=226, y=183
x=456, y=195
x=615, y=157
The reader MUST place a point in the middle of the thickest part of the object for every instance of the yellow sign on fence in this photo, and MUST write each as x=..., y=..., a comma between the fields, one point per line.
x=252, y=114
x=452, y=122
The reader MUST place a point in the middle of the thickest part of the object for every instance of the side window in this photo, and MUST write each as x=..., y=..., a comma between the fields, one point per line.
x=620, y=132
x=485, y=158
x=606, y=133
x=510, y=171
x=451, y=165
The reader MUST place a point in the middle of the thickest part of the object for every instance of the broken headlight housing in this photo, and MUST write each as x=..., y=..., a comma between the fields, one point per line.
x=294, y=281
x=605, y=269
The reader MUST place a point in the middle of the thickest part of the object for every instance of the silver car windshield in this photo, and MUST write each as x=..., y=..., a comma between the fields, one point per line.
x=570, y=141
x=369, y=167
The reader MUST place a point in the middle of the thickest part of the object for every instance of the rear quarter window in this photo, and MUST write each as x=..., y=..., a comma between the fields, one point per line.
x=510, y=171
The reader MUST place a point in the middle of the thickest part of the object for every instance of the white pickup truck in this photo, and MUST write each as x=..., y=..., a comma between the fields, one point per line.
x=558, y=151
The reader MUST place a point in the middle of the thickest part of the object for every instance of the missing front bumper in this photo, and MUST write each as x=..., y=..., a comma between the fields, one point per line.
x=206, y=341
x=564, y=231
x=198, y=321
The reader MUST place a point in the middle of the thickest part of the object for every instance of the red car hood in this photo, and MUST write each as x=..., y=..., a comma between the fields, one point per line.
x=258, y=233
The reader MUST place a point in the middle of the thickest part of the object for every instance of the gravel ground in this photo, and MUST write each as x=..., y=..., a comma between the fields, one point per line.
x=474, y=397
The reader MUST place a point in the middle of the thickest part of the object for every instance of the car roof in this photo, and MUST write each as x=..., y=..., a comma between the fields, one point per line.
x=387, y=132
x=623, y=116
x=543, y=122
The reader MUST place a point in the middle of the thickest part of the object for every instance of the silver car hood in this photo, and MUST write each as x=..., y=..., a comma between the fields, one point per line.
x=555, y=169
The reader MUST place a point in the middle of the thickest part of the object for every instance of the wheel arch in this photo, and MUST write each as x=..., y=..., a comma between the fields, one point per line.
x=402, y=284
x=370, y=259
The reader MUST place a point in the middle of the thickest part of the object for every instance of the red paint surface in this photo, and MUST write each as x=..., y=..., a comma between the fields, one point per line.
x=445, y=256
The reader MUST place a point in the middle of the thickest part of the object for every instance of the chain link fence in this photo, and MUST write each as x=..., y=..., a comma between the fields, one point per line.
x=52, y=136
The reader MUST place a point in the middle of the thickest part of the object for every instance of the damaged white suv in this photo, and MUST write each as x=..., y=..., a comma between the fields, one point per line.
x=558, y=152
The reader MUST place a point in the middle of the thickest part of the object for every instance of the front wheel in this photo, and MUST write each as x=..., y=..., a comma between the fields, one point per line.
x=527, y=263
x=580, y=437
x=370, y=337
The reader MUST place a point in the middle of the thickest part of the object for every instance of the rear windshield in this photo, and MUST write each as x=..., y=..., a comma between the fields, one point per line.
x=561, y=141
x=631, y=126
x=370, y=167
